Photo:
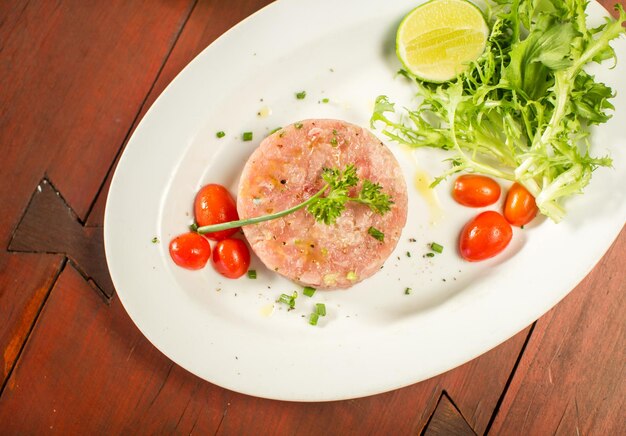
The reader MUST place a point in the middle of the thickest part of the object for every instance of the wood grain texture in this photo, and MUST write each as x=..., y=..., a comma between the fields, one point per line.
x=572, y=377
x=210, y=19
x=87, y=370
x=84, y=356
x=50, y=226
x=447, y=420
x=73, y=74
x=78, y=73
x=25, y=281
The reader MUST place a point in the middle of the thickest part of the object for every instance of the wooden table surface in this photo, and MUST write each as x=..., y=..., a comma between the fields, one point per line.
x=75, y=79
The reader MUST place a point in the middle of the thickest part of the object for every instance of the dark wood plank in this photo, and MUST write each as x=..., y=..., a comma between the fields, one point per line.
x=74, y=75
x=50, y=226
x=25, y=281
x=447, y=421
x=572, y=378
x=79, y=72
x=86, y=369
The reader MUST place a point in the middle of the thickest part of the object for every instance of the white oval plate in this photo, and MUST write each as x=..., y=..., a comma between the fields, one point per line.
x=375, y=337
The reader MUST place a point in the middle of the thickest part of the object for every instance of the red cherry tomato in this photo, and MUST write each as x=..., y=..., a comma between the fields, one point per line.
x=520, y=207
x=231, y=258
x=484, y=236
x=474, y=190
x=190, y=250
x=214, y=205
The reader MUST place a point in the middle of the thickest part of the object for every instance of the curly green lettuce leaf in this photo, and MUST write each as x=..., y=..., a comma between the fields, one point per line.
x=522, y=110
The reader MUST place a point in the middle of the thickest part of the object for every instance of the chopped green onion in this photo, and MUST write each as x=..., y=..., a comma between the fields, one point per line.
x=313, y=318
x=376, y=234
x=247, y=136
x=298, y=125
x=155, y=240
x=289, y=300
x=320, y=309
x=300, y=95
x=274, y=131
x=436, y=247
x=325, y=100
x=408, y=254
x=220, y=134
x=193, y=227
x=430, y=254
x=407, y=291
x=333, y=142
x=252, y=274
x=308, y=291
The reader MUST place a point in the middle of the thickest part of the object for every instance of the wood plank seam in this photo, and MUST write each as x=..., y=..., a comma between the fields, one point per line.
x=444, y=396
x=431, y=414
x=81, y=245
x=140, y=110
x=32, y=326
x=458, y=409
x=217, y=430
x=510, y=379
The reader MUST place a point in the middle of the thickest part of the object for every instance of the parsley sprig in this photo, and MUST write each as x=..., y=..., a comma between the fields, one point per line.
x=327, y=204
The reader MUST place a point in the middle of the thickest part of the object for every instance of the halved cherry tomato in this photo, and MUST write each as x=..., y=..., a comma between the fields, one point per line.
x=484, y=236
x=520, y=207
x=190, y=250
x=214, y=205
x=474, y=190
x=231, y=258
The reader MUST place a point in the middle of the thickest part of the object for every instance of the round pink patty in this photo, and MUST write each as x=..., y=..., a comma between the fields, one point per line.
x=286, y=170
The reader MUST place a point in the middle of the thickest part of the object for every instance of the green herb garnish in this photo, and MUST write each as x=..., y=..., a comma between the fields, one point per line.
x=252, y=274
x=376, y=234
x=155, y=240
x=327, y=204
x=325, y=100
x=522, y=110
x=301, y=95
x=289, y=300
x=436, y=247
x=298, y=125
x=220, y=134
x=320, y=309
x=313, y=318
x=274, y=131
x=308, y=291
x=247, y=136
x=407, y=291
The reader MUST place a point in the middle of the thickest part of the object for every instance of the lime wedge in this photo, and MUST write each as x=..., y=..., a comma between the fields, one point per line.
x=437, y=40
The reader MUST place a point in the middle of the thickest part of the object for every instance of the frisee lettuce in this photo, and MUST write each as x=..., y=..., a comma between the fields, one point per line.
x=522, y=111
